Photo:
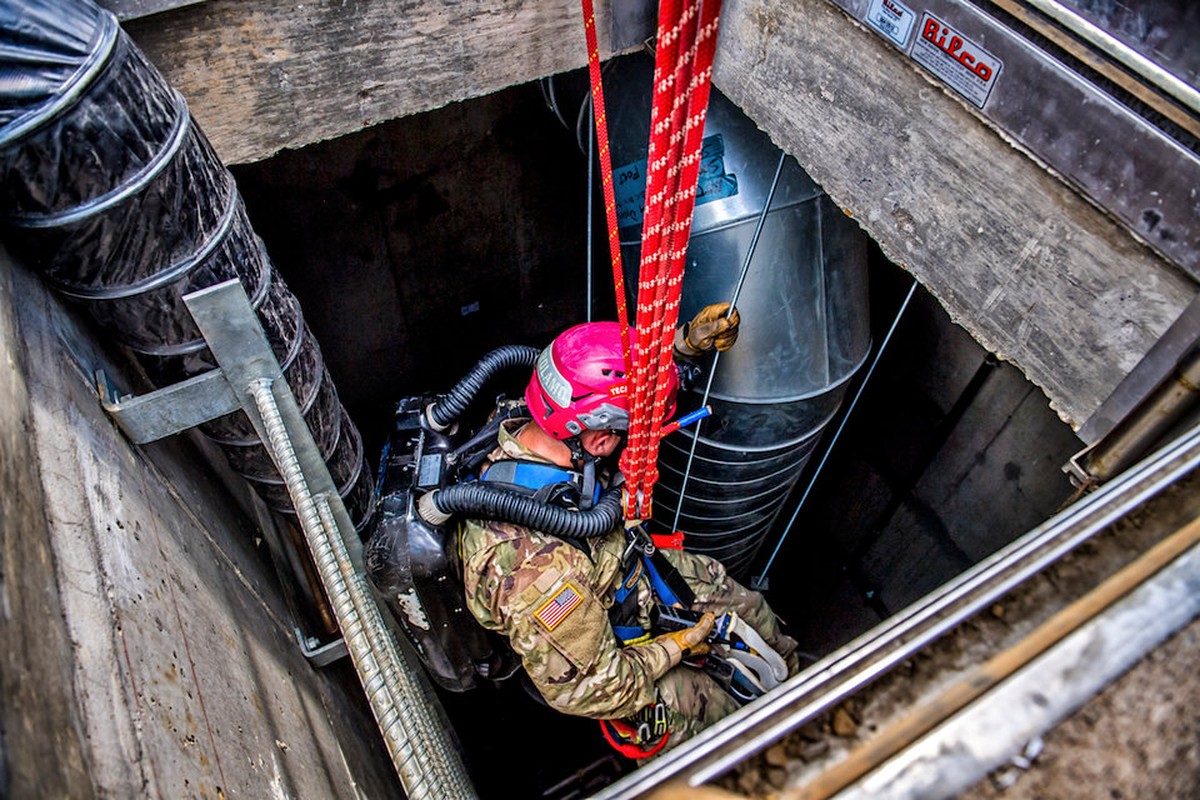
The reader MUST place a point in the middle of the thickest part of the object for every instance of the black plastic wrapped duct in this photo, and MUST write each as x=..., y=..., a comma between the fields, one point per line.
x=446, y=411
x=481, y=500
x=110, y=190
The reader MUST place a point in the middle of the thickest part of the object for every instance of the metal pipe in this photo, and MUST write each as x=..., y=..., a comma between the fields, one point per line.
x=1120, y=51
x=805, y=329
x=762, y=219
x=410, y=728
x=712, y=369
x=761, y=580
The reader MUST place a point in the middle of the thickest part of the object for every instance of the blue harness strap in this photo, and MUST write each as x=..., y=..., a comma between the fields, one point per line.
x=628, y=583
x=624, y=609
x=678, y=595
x=534, y=475
x=630, y=634
x=661, y=588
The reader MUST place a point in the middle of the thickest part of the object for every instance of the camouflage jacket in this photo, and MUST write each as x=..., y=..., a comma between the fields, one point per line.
x=551, y=600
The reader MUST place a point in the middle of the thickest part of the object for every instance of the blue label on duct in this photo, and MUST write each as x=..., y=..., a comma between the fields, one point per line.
x=714, y=183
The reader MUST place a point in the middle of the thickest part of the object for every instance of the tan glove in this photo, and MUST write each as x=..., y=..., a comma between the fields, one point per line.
x=689, y=641
x=714, y=328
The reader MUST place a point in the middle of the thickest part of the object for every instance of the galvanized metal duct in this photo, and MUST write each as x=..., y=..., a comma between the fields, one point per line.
x=113, y=193
x=805, y=324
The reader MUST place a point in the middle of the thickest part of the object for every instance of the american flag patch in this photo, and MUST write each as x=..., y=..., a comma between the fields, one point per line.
x=559, y=607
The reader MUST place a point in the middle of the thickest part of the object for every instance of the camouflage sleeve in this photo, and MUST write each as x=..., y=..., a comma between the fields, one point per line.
x=561, y=631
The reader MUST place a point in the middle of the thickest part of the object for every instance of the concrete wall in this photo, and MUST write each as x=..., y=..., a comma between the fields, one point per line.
x=1034, y=273
x=419, y=245
x=261, y=76
x=148, y=648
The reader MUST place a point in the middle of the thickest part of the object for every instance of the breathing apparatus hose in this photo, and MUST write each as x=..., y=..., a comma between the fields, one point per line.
x=442, y=414
x=478, y=500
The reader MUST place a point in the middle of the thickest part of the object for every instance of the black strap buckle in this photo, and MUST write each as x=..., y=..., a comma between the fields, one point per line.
x=637, y=541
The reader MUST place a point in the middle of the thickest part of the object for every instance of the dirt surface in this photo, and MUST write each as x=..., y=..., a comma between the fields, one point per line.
x=1140, y=738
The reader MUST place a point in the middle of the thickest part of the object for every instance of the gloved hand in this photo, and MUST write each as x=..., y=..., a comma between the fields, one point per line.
x=688, y=642
x=715, y=327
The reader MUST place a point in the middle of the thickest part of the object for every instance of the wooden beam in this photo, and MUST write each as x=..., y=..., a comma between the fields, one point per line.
x=261, y=76
x=1034, y=272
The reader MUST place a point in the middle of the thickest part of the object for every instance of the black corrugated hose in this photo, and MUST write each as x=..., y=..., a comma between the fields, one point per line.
x=477, y=500
x=450, y=408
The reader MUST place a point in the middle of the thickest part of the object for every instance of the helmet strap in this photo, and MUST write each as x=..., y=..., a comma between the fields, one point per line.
x=585, y=462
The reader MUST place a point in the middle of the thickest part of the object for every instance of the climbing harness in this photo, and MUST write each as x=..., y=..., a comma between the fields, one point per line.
x=739, y=660
x=642, y=735
x=646, y=732
x=643, y=556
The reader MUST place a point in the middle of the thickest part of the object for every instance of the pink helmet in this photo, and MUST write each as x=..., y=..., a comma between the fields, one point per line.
x=579, y=383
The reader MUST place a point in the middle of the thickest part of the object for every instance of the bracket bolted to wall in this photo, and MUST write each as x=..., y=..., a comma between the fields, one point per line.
x=170, y=410
x=236, y=339
x=418, y=743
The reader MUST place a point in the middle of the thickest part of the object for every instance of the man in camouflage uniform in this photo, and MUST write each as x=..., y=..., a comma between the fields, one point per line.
x=551, y=598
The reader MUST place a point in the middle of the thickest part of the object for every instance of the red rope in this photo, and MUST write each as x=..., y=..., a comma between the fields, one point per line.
x=687, y=38
x=682, y=79
x=688, y=172
x=606, y=179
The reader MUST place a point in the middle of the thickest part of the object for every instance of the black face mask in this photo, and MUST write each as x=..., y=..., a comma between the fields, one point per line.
x=608, y=464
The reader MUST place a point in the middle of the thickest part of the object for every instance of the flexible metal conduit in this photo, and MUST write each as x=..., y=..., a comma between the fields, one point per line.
x=115, y=196
x=420, y=749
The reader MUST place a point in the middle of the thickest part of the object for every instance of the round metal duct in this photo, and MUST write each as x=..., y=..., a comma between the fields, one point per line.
x=805, y=325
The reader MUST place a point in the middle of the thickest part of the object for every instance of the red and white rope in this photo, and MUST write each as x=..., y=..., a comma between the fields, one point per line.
x=687, y=36
x=686, y=43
